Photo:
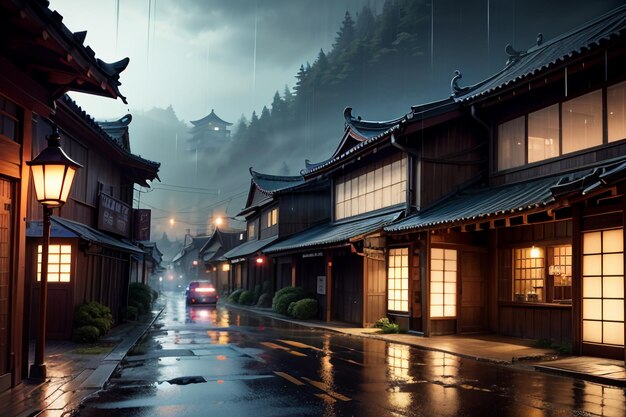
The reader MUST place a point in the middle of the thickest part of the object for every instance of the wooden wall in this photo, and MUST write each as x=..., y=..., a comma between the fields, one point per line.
x=297, y=211
x=454, y=141
x=536, y=321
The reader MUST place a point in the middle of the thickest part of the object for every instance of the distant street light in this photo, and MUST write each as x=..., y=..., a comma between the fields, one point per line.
x=53, y=173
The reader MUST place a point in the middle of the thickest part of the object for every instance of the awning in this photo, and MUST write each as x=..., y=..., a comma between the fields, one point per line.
x=334, y=233
x=483, y=204
x=64, y=228
x=248, y=248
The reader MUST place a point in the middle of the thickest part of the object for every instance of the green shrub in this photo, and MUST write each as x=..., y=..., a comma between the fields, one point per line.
x=304, y=309
x=257, y=292
x=267, y=287
x=86, y=334
x=265, y=300
x=286, y=296
x=391, y=328
x=234, y=296
x=290, y=309
x=246, y=298
x=131, y=313
x=90, y=316
x=382, y=322
x=140, y=296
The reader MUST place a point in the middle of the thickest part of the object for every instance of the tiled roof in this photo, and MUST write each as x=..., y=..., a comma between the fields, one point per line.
x=105, y=75
x=270, y=184
x=249, y=248
x=335, y=233
x=82, y=231
x=72, y=105
x=116, y=129
x=210, y=118
x=543, y=55
x=483, y=204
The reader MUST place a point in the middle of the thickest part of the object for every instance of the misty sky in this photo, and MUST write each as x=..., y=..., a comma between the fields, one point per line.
x=199, y=54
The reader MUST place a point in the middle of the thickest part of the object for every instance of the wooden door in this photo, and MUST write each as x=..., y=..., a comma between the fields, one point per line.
x=375, y=297
x=473, y=313
x=5, y=273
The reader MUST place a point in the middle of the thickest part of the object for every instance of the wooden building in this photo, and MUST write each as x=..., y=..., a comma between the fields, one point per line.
x=94, y=250
x=212, y=253
x=534, y=248
x=504, y=210
x=41, y=60
x=276, y=207
x=187, y=264
x=209, y=134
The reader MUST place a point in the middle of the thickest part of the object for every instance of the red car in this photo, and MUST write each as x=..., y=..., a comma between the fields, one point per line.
x=201, y=292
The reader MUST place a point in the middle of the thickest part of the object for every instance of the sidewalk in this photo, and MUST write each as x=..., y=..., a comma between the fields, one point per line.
x=485, y=347
x=74, y=372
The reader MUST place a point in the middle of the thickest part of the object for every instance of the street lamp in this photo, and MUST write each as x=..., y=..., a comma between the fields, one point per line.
x=53, y=173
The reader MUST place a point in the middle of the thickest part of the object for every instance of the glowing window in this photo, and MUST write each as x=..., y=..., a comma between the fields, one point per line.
x=59, y=263
x=603, y=287
x=398, y=280
x=443, y=267
x=528, y=274
x=373, y=187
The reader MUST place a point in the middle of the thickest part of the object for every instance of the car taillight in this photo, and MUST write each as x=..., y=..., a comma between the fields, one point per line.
x=204, y=289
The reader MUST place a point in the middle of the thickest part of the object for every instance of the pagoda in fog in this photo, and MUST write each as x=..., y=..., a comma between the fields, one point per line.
x=209, y=133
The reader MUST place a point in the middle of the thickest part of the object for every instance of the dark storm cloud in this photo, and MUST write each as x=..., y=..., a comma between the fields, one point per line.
x=285, y=28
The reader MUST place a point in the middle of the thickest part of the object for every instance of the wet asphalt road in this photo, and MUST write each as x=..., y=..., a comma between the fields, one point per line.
x=212, y=361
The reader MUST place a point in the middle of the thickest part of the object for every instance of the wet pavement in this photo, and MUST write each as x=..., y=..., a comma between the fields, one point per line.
x=213, y=361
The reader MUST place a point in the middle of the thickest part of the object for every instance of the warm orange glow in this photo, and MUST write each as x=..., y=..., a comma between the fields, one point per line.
x=219, y=221
x=205, y=289
x=172, y=221
x=225, y=267
x=259, y=260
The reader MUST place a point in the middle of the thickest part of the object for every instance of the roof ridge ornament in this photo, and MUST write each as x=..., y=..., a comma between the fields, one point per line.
x=514, y=55
x=539, y=39
x=454, y=84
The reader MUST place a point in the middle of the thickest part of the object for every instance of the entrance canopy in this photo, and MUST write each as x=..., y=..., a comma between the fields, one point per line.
x=64, y=228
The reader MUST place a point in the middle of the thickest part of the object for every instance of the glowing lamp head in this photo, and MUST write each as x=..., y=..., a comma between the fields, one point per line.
x=53, y=173
x=195, y=262
x=172, y=221
x=259, y=260
x=219, y=221
x=535, y=252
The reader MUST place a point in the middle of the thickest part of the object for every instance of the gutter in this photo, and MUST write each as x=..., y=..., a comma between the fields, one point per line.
x=414, y=163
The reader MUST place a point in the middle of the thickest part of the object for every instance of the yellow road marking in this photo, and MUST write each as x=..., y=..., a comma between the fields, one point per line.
x=326, y=397
x=273, y=346
x=289, y=378
x=321, y=386
x=286, y=349
x=299, y=345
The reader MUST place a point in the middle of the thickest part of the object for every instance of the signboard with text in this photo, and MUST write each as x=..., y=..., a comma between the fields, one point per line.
x=141, y=221
x=321, y=284
x=114, y=216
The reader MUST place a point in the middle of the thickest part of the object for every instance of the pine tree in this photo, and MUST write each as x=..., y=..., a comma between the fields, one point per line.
x=346, y=34
x=365, y=24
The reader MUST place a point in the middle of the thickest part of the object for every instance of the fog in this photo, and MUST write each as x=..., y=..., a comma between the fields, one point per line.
x=191, y=56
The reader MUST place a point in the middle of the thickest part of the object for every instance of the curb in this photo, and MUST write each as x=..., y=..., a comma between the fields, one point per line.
x=101, y=375
x=514, y=361
x=580, y=375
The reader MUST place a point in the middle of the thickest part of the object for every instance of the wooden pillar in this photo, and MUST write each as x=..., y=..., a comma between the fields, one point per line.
x=425, y=281
x=624, y=258
x=577, y=284
x=294, y=271
x=329, y=281
x=365, y=277
x=19, y=337
x=493, y=284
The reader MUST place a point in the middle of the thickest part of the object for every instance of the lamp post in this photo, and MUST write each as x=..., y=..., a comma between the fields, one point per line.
x=53, y=173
